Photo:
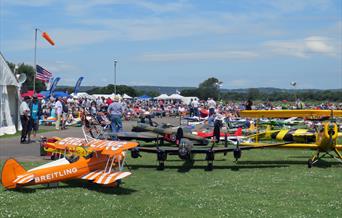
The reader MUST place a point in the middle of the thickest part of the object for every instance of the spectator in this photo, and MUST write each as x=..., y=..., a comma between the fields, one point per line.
x=249, y=105
x=36, y=112
x=115, y=111
x=59, y=111
x=24, y=112
x=211, y=106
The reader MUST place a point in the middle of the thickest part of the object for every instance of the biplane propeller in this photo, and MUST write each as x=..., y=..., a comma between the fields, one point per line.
x=325, y=142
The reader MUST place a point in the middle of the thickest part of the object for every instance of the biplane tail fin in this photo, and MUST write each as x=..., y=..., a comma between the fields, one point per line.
x=11, y=171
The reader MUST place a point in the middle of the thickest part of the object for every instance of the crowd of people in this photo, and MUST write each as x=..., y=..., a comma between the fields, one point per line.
x=111, y=111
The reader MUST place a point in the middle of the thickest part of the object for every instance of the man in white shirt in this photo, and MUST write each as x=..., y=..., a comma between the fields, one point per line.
x=24, y=112
x=59, y=111
x=212, y=106
x=195, y=105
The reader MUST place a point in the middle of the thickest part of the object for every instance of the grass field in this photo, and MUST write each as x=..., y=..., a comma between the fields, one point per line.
x=265, y=183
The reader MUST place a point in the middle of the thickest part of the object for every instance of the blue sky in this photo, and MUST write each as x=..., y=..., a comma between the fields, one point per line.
x=245, y=43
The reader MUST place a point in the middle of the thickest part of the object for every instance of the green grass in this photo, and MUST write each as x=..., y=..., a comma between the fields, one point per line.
x=265, y=183
x=18, y=133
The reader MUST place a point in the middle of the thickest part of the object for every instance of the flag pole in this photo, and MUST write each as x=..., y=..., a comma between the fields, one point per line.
x=35, y=60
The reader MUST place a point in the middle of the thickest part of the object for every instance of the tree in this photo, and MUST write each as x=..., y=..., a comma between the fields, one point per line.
x=209, y=88
x=29, y=71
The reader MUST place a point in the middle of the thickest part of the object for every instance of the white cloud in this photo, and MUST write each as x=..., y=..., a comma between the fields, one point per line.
x=304, y=47
x=187, y=56
x=81, y=7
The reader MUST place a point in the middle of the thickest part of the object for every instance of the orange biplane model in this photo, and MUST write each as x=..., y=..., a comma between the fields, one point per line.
x=103, y=165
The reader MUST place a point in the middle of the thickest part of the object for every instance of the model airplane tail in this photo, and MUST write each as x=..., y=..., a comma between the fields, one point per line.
x=10, y=172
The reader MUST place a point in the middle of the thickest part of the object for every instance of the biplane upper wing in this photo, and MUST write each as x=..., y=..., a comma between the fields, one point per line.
x=106, y=146
x=110, y=148
x=289, y=113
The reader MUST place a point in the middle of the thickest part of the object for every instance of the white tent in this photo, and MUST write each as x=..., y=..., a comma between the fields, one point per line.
x=9, y=100
x=162, y=97
x=107, y=96
x=82, y=95
x=125, y=96
x=175, y=96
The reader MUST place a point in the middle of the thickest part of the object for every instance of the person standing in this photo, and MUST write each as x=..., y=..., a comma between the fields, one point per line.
x=249, y=104
x=65, y=112
x=115, y=111
x=195, y=105
x=24, y=112
x=212, y=106
x=59, y=111
x=35, y=112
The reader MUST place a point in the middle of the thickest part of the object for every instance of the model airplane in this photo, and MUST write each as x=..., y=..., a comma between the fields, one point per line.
x=103, y=165
x=325, y=139
x=185, y=148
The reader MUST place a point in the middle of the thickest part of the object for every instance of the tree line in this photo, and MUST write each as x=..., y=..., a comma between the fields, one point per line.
x=209, y=88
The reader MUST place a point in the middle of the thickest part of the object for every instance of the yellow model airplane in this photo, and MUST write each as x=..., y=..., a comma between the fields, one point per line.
x=326, y=137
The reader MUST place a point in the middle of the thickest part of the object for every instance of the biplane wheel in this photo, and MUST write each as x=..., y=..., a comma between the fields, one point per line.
x=161, y=166
x=310, y=163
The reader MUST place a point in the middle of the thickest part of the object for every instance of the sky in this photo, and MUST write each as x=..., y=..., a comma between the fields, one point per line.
x=245, y=43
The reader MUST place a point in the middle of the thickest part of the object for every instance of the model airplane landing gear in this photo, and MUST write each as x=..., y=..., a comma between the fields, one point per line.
x=316, y=157
x=135, y=153
x=210, y=158
x=161, y=157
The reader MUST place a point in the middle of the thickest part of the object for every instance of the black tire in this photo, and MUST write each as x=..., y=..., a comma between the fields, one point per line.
x=161, y=166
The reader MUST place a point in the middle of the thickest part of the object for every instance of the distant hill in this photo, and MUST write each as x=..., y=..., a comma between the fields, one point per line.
x=161, y=89
x=171, y=90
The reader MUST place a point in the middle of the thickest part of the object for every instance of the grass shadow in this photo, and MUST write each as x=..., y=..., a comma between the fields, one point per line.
x=118, y=190
x=229, y=167
x=187, y=166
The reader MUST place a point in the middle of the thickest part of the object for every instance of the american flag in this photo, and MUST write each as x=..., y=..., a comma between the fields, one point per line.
x=43, y=74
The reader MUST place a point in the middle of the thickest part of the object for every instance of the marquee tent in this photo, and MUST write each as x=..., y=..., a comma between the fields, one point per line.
x=9, y=100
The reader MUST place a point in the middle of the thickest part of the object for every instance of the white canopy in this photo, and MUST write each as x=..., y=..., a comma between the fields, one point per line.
x=176, y=96
x=9, y=100
x=162, y=97
x=82, y=95
x=125, y=96
x=107, y=95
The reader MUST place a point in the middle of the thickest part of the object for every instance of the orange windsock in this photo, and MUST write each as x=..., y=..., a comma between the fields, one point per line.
x=48, y=38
